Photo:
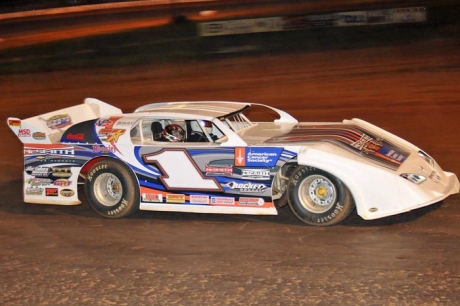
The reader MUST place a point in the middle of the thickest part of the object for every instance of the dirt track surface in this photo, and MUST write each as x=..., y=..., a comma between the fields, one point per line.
x=69, y=256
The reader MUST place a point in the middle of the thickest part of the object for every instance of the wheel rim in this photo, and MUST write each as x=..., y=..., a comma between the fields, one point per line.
x=317, y=193
x=108, y=189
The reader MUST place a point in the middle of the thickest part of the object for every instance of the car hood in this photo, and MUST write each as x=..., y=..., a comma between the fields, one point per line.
x=355, y=135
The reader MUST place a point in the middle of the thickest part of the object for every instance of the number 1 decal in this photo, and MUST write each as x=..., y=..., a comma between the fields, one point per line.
x=180, y=171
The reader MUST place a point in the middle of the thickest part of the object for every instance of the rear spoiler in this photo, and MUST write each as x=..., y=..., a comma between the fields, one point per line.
x=48, y=128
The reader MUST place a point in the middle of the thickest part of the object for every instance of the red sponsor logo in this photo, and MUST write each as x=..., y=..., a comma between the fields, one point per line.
x=152, y=197
x=218, y=169
x=79, y=136
x=51, y=192
x=24, y=133
x=14, y=122
x=240, y=160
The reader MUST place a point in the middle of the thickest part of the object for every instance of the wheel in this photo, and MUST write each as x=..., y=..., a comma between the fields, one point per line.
x=317, y=197
x=111, y=189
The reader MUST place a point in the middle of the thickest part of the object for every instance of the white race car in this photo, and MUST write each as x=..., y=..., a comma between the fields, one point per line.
x=213, y=157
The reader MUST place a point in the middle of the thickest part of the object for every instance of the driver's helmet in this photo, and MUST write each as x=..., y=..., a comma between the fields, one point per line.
x=207, y=125
x=173, y=133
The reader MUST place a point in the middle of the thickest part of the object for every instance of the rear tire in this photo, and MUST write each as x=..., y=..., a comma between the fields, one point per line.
x=318, y=198
x=111, y=189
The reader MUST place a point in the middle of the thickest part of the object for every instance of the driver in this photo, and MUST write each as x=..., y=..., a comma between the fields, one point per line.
x=173, y=133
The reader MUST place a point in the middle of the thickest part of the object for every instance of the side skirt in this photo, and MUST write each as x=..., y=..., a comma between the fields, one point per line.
x=208, y=209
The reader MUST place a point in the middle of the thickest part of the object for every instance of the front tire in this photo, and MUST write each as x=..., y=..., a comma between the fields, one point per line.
x=111, y=189
x=318, y=198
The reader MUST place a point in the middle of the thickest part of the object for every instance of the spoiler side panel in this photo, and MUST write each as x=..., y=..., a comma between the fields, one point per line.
x=49, y=127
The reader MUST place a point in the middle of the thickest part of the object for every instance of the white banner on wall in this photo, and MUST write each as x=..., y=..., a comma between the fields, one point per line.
x=300, y=22
x=241, y=26
x=408, y=15
x=351, y=18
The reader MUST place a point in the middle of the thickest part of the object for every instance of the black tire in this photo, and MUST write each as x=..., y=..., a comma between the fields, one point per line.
x=111, y=189
x=318, y=198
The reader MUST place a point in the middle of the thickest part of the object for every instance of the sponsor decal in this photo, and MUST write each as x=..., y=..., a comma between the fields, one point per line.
x=103, y=149
x=110, y=135
x=41, y=171
x=366, y=144
x=24, y=133
x=51, y=192
x=256, y=156
x=34, y=191
x=251, y=201
x=39, y=135
x=175, y=198
x=199, y=199
x=222, y=201
x=107, y=123
x=123, y=123
x=255, y=174
x=152, y=197
x=104, y=122
x=32, y=151
x=247, y=187
x=59, y=121
x=218, y=169
x=392, y=153
x=78, y=137
x=62, y=182
x=39, y=182
x=64, y=172
x=435, y=176
x=67, y=193
x=14, y=122
x=351, y=136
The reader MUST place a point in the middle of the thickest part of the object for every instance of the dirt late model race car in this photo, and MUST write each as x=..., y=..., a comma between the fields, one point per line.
x=212, y=157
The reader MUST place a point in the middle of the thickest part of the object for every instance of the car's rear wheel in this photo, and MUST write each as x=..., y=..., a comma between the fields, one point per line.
x=111, y=189
x=318, y=198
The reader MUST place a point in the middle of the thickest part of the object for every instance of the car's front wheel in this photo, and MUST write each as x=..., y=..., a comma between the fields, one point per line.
x=111, y=189
x=318, y=198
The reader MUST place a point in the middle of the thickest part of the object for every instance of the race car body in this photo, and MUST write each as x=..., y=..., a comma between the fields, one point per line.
x=212, y=157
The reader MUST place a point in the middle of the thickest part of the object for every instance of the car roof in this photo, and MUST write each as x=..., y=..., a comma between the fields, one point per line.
x=199, y=108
